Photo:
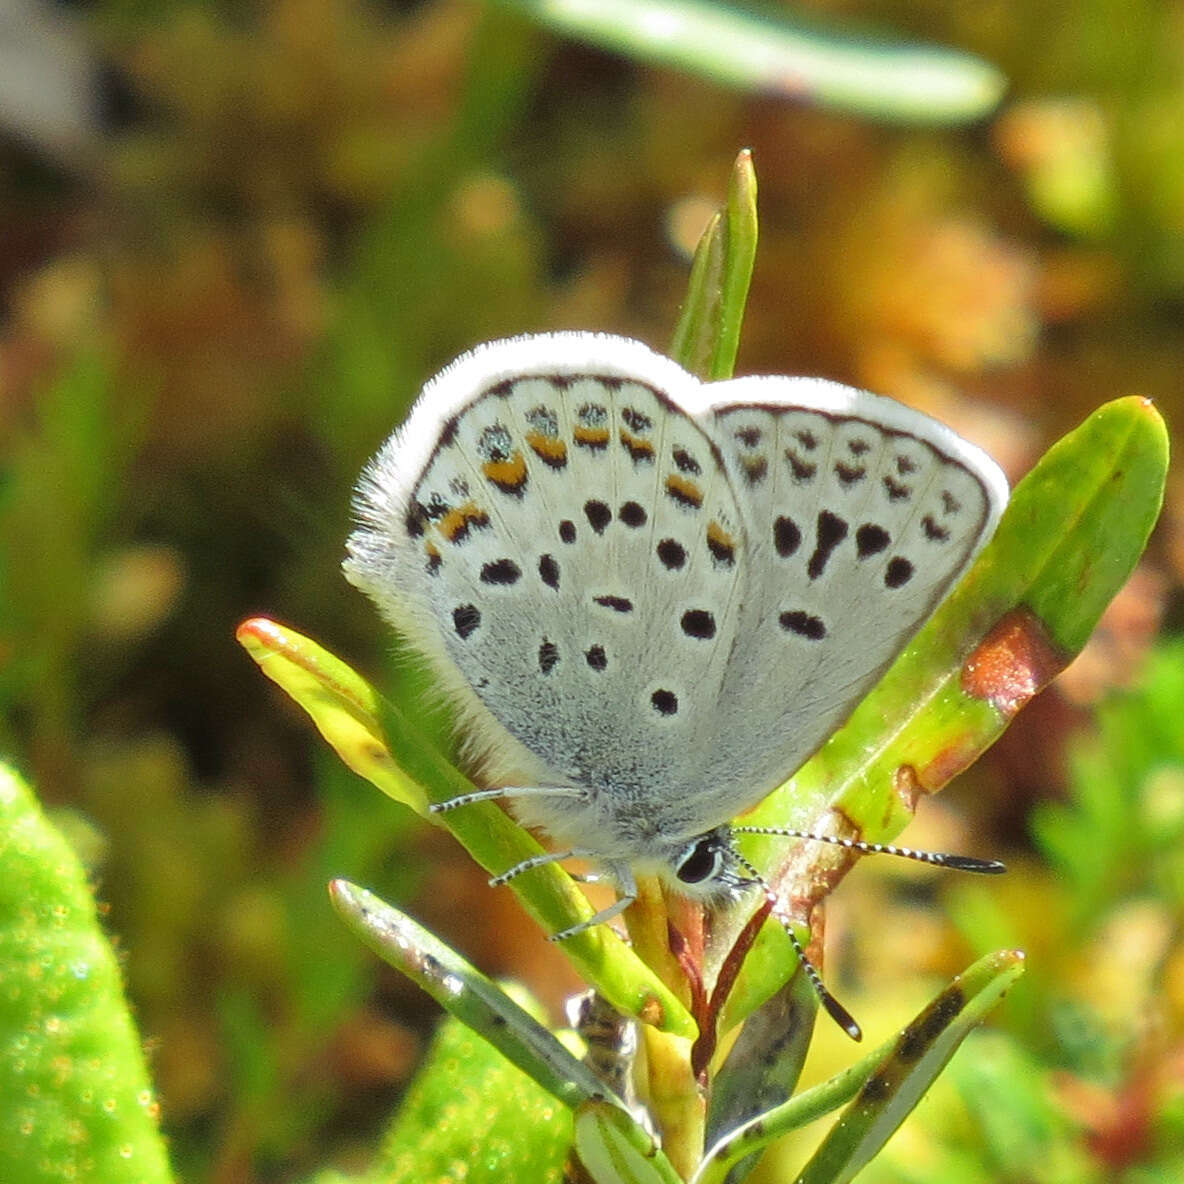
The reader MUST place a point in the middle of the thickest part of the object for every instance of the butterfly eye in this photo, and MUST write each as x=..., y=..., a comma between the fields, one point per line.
x=701, y=861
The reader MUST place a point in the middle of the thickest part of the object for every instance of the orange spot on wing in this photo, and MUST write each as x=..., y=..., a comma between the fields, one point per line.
x=719, y=540
x=637, y=448
x=550, y=448
x=507, y=475
x=590, y=437
x=454, y=526
x=682, y=489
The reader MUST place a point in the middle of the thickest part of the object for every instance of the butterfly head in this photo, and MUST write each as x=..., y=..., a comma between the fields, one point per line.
x=708, y=867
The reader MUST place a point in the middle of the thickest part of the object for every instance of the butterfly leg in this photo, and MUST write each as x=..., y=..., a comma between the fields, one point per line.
x=626, y=895
x=505, y=791
x=512, y=873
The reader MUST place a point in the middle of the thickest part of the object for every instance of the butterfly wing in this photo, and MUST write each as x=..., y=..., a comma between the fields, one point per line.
x=861, y=514
x=560, y=539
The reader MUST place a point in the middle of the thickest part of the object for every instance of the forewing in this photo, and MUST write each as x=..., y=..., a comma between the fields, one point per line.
x=571, y=551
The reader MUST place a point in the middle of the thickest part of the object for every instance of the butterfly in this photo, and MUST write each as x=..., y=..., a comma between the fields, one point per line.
x=651, y=598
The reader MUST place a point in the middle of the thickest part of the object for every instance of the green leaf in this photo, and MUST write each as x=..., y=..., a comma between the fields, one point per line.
x=920, y=1053
x=470, y=1116
x=75, y=1100
x=1071, y=536
x=886, y=1085
x=344, y=707
x=707, y=338
x=466, y=993
x=609, y=1132
x=380, y=743
x=908, y=83
x=762, y=1067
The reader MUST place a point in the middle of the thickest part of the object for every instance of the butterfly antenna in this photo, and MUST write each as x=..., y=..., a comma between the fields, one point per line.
x=830, y=1004
x=961, y=863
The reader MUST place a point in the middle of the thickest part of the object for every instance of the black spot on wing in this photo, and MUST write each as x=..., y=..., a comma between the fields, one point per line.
x=832, y=530
x=849, y=475
x=598, y=514
x=549, y=571
x=721, y=546
x=699, y=623
x=501, y=571
x=898, y=573
x=756, y=468
x=416, y=519
x=619, y=604
x=803, y=470
x=672, y=554
x=787, y=536
x=934, y=532
x=632, y=514
x=465, y=619
x=870, y=539
x=803, y=624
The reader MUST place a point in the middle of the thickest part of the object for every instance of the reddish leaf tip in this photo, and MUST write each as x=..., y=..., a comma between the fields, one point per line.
x=257, y=629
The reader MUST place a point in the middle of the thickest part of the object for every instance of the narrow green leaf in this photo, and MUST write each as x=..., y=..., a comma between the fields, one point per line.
x=885, y=1085
x=466, y=993
x=380, y=744
x=908, y=83
x=614, y=1150
x=692, y=346
x=1072, y=534
x=609, y=1138
x=75, y=1100
x=740, y=237
x=344, y=707
x=921, y=1052
x=707, y=338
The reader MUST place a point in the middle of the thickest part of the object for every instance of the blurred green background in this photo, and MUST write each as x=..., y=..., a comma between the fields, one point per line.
x=236, y=238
